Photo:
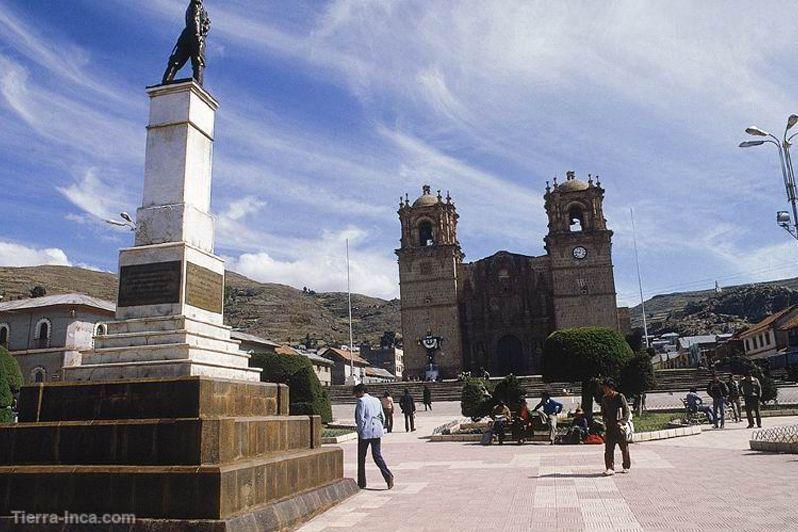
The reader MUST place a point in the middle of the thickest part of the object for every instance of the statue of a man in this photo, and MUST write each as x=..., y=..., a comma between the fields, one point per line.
x=190, y=44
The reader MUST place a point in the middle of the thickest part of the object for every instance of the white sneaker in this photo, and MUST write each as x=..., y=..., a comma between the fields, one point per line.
x=625, y=471
x=609, y=473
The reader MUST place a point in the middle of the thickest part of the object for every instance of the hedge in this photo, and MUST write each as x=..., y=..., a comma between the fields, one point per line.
x=305, y=391
x=11, y=366
x=6, y=397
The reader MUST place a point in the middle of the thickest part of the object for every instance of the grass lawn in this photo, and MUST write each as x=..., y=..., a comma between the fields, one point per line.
x=332, y=433
x=651, y=421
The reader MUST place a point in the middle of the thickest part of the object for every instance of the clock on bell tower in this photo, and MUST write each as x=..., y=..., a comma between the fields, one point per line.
x=579, y=247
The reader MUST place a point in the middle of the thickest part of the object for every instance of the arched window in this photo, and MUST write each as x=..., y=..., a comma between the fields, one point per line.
x=425, y=233
x=4, y=334
x=38, y=374
x=101, y=329
x=43, y=331
x=576, y=220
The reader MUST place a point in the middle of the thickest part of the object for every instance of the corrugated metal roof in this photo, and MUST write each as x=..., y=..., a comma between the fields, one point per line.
x=316, y=358
x=244, y=337
x=686, y=341
x=379, y=372
x=57, y=300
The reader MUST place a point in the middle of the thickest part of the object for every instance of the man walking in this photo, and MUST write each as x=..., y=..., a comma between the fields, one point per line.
x=387, y=408
x=752, y=392
x=427, y=398
x=718, y=391
x=734, y=397
x=369, y=419
x=408, y=406
x=615, y=412
x=549, y=414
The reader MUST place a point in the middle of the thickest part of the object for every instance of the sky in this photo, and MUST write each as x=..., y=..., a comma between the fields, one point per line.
x=330, y=111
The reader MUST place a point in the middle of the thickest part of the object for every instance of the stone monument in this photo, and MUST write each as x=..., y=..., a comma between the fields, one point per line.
x=171, y=285
x=164, y=420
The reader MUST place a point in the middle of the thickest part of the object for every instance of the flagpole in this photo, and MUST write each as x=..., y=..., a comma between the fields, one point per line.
x=639, y=277
x=349, y=295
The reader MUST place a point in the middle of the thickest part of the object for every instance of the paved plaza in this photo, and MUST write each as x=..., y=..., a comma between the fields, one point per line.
x=708, y=482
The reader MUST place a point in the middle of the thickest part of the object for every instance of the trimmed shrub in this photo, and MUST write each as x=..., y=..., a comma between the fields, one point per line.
x=305, y=391
x=6, y=397
x=637, y=376
x=510, y=391
x=11, y=366
x=583, y=355
x=475, y=400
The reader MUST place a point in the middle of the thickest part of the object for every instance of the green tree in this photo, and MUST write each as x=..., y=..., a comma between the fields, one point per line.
x=637, y=377
x=475, y=399
x=583, y=355
x=6, y=397
x=11, y=366
x=306, y=395
x=510, y=391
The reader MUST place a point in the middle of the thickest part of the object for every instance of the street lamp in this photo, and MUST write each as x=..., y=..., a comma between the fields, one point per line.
x=783, y=219
x=128, y=221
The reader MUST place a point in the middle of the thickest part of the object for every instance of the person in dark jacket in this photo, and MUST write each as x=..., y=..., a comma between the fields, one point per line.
x=427, y=398
x=734, y=397
x=752, y=392
x=718, y=391
x=616, y=415
x=408, y=406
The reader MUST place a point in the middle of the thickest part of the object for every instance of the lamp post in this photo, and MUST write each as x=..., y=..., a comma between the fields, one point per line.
x=783, y=219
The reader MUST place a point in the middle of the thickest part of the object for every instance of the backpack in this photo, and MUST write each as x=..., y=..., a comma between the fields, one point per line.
x=594, y=439
x=487, y=438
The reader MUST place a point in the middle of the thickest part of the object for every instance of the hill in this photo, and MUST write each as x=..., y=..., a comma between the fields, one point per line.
x=274, y=311
x=705, y=311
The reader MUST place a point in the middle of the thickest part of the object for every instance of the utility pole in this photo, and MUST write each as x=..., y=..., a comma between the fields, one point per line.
x=639, y=278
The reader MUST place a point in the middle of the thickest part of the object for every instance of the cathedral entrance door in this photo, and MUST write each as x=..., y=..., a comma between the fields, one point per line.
x=510, y=357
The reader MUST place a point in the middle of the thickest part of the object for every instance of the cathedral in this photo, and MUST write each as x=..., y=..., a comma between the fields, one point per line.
x=495, y=313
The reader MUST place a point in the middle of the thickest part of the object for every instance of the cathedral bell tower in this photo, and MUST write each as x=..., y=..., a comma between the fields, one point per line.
x=579, y=247
x=430, y=260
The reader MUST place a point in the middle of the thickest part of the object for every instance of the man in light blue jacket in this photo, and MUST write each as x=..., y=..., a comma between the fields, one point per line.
x=370, y=419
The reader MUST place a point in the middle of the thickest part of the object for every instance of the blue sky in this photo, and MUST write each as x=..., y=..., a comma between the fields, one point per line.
x=332, y=110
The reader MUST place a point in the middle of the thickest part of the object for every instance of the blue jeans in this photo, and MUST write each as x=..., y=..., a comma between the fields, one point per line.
x=706, y=410
x=376, y=454
x=719, y=404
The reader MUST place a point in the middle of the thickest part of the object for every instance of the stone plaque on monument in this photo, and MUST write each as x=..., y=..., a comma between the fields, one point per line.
x=150, y=284
x=204, y=288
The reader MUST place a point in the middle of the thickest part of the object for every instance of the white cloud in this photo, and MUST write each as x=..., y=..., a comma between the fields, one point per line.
x=321, y=265
x=96, y=197
x=13, y=254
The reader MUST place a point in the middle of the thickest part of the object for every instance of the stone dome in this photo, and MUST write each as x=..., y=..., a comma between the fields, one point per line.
x=426, y=199
x=573, y=185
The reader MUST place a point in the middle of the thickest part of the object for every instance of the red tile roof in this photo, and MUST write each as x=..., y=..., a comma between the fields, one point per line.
x=346, y=355
x=768, y=322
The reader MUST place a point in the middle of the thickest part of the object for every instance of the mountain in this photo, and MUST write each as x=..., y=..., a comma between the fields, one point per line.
x=707, y=311
x=274, y=311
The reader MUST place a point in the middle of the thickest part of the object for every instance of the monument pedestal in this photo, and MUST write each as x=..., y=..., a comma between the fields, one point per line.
x=164, y=419
x=213, y=454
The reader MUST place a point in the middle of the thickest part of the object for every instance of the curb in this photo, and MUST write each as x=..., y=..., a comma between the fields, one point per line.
x=339, y=439
x=691, y=430
x=774, y=446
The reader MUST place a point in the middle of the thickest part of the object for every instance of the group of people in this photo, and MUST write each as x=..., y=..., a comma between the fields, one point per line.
x=615, y=414
x=374, y=417
x=729, y=393
x=407, y=404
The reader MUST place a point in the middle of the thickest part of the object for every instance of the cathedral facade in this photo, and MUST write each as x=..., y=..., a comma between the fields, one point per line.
x=495, y=313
